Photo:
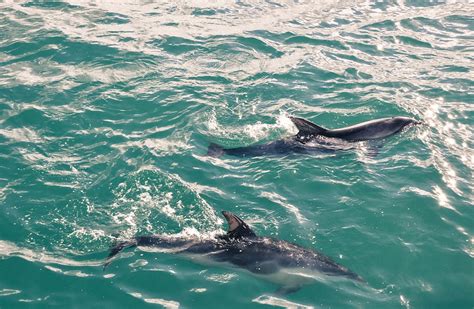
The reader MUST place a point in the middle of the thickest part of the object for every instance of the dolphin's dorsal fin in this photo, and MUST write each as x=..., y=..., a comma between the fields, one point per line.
x=307, y=128
x=237, y=227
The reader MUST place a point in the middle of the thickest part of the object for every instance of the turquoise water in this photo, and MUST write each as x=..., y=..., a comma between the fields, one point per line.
x=107, y=110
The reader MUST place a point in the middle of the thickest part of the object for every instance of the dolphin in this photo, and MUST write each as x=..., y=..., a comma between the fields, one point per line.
x=313, y=138
x=289, y=265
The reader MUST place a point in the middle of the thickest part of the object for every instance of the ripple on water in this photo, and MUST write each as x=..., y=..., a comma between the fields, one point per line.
x=107, y=109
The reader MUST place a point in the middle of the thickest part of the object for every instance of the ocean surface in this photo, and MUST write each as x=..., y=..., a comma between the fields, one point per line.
x=107, y=109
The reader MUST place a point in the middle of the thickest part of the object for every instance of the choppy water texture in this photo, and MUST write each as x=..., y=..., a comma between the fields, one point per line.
x=107, y=109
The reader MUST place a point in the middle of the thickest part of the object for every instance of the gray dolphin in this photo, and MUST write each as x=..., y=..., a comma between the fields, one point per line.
x=278, y=261
x=313, y=138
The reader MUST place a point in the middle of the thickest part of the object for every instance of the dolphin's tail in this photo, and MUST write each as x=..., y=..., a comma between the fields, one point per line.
x=116, y=248
x=215, y=150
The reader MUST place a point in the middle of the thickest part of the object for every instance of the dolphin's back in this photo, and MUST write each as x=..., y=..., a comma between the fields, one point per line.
x=262, y=255
x=278, y=147
x=294, y=256
x=373, y=129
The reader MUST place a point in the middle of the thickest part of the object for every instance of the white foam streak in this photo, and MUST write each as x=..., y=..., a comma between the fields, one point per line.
x=169, y=304
x=74, y=273
x=443, y=200
x=255, y=132
x=8, y=249
x=279, y=302
x=22, y=135
x=222, y=278
x=7, y=292
x=280, y=200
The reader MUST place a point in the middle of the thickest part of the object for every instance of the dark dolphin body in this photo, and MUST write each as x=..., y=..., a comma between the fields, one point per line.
x=285, y=263
x=313, y=138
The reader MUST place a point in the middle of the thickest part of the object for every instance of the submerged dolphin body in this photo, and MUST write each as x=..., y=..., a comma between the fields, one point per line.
x=313, y=138
x=279, y=261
